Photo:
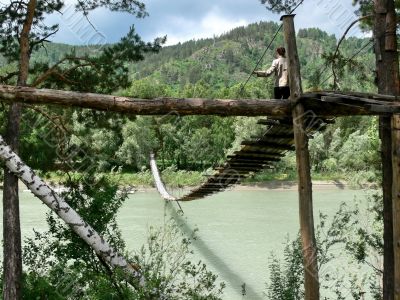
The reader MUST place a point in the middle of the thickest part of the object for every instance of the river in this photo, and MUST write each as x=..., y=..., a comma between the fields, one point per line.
x=238, y=229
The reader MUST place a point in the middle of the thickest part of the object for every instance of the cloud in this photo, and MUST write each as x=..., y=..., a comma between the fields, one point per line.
x=182, y=20
x=212, y=24
x=215, y=23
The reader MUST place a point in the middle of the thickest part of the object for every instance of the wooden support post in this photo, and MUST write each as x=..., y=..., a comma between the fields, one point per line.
x=396, y=207
x=387, y=72
x=392, y=87
x=311, y=281
x=386, y=153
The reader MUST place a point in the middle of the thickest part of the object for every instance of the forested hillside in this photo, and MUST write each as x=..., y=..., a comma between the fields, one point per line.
x=208, y=68
x=228, y=60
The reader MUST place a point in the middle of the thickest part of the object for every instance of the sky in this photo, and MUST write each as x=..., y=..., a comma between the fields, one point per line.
x=182, y=20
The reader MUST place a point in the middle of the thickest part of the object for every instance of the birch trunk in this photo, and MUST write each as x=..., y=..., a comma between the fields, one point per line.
x=57, y=204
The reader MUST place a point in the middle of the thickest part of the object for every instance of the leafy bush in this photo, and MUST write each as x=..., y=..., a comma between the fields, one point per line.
x=286, y=278
x=347, y=240
x=166, y=261
x=60, y=265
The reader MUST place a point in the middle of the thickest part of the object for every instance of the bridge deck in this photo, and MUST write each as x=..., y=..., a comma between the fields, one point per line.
x=255, y=155
x=278, y=138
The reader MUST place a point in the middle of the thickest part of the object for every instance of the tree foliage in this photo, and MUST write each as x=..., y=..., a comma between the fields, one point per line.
x=280, y=6
x=346, y=239
x=23, y=31
x=366, y=7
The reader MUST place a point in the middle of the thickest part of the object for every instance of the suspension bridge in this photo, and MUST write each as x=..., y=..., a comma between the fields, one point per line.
x=262, y=152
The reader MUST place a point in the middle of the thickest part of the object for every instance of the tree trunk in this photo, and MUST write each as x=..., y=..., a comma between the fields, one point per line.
x=387, y=178
x=388, y=83
x=393, y=88
x=12, y=252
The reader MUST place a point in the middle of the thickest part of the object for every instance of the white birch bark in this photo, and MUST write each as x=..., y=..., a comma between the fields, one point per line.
x=57, y=204
x=157, y=179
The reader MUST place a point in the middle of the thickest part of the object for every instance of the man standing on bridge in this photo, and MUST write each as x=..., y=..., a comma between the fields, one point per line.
x=280, y=70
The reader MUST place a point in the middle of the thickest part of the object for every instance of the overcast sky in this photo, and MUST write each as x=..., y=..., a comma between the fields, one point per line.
x=182, y=20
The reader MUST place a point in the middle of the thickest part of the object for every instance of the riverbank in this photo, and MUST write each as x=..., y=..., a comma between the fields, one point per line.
x=186, y=180
x=183, y=178
x=276, y=185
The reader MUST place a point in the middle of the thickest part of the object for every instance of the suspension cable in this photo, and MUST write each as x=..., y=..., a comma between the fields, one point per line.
x=268, y=47
x=349, y=59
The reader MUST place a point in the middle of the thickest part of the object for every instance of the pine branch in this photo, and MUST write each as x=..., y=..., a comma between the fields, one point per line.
x=8, y=76
x=336, y=84
x=53, y=70
x=43, y=39
x=347, y=31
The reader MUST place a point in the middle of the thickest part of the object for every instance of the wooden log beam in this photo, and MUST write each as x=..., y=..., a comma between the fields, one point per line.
x=318, y=108
x=353, y=100
x=267, y=145
x=257, y=155
x=310, y=260
x=272, y=122
x=159, y=106
x=251, y=160
x=223, y=178
x=178, y=106
x=274, y=136
x=233, y=165
x=265, y=153
x=382, y=96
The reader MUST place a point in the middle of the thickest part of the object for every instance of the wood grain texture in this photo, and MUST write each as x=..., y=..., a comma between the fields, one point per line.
x=300, y=116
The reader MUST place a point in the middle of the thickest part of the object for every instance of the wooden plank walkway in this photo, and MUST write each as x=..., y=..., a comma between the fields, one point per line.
x=255, y=155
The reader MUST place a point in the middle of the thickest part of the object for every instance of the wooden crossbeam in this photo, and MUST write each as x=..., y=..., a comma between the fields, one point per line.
x=382, y=97
x=185, y=106
x=266, y=154
x=245, y=164
x=248, y=160
x=270, y=145
x=275, y=136
x=273, y=122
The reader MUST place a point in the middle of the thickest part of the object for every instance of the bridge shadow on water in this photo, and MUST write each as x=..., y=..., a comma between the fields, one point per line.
x=231, y=278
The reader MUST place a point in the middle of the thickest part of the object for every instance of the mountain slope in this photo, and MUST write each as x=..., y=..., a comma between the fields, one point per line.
x=227, y=60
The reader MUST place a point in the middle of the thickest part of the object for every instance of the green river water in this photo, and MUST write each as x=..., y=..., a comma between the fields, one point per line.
x=238, y=230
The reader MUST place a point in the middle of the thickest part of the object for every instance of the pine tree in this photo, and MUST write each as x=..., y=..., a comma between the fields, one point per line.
x=280, y=6
x=22, y=32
